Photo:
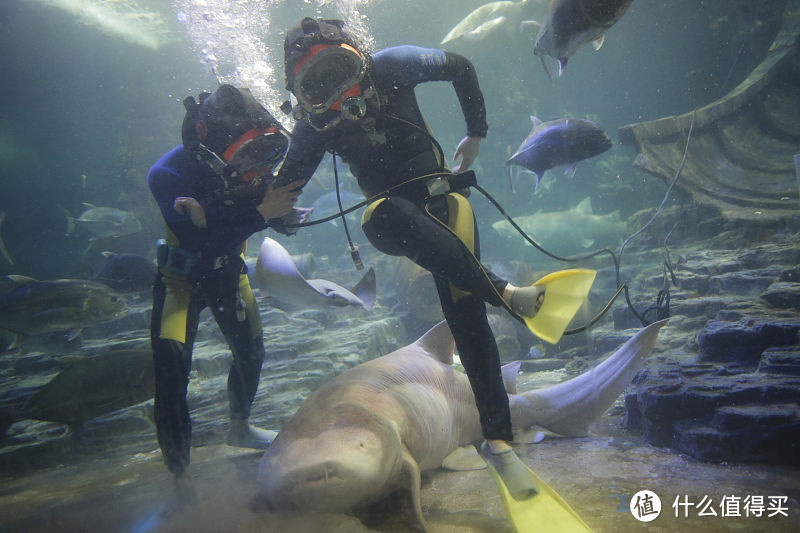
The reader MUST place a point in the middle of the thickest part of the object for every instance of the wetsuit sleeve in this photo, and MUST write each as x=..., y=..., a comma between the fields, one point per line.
x=227, y=226
x=411, y=65
x=305, y=153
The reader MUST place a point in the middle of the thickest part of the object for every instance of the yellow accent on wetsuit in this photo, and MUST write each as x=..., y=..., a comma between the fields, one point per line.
x=462, y=221
x=175, y=311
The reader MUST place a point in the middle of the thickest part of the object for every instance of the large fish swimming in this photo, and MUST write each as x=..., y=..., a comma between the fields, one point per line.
x=285, y=288
x=377, y=426
x=34, y=307
x=103, y=221
x=570, y=24
x=127, y=20
x=564, y=141
x=95, y=386
x=127, y=272
x=487, y=18
x=568, y=232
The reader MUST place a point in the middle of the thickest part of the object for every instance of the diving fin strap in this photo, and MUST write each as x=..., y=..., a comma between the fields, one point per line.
x=565, y=293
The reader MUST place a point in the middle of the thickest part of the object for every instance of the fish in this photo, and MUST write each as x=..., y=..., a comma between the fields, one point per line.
x=484, y=20
x=127, y=272
x=285, y=288
x=3, y=249
x=570, y=231
x=125, y=19
x=563, y=141
x=34, y=307
x=94, y=386
x=375, y=427
x=570, y=24
x=103, y=221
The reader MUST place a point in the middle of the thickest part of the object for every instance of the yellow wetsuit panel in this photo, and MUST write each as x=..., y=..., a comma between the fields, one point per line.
x=462, y=222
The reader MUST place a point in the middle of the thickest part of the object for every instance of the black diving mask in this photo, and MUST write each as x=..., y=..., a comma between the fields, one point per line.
x=326, y=75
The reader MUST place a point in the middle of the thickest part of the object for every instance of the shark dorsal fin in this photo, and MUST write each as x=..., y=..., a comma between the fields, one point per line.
x=535, y=121
x=438, y=342
x=510, y=372
x=585, y=206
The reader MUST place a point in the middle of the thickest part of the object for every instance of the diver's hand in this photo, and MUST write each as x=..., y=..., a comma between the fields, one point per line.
x=278, y=201
x=468, y=149
x=298, y=215
x=187, y=205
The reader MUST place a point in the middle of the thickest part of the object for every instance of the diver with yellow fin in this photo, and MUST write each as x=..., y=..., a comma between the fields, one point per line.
x=362, y=108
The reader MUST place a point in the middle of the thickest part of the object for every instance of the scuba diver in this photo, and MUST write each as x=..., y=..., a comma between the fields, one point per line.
x=230, y=146
x=363, y=109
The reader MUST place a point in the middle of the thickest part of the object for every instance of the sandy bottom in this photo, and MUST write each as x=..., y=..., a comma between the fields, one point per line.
x=597, y=475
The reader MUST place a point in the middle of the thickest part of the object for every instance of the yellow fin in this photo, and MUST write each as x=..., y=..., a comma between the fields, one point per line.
x=546, y=511
x=565, y=292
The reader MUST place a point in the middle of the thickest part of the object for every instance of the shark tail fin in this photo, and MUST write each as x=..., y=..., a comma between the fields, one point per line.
x=70, y=220
x=366, y=289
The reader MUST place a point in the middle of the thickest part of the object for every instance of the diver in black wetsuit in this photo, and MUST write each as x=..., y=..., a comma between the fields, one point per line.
x=363, y=109
x=230, y=146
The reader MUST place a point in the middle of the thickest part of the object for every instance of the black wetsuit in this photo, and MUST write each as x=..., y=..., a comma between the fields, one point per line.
x=216, y=278
x=393, y=152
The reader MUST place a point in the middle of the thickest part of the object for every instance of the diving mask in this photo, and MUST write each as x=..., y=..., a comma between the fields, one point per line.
x=256, y=152
x=326, y=75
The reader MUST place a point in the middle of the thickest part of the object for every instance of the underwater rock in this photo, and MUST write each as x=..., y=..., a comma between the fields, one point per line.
x=743, y=283
x=740, y=154
x=743, y=342
x=790, y=274
x=752, y=433
x=780, y=361
x=542, y=365
x=716, y=412
x=783, y=294
x=608, y=342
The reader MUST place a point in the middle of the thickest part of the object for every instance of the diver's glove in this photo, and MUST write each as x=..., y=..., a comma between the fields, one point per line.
x=526, y=301
x=298, y=215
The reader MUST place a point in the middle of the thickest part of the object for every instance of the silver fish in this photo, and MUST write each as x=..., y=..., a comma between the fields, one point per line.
x=35, y=307
x=103, y=221
x=570, y=24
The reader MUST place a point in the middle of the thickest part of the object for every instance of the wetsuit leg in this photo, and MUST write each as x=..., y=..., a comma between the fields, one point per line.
x=224, y=295
x=400, y=227
x=173, y=327
x=478, y=352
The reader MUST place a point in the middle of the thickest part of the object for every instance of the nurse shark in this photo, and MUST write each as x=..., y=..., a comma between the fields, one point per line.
x=375, y=427
x=567, y=232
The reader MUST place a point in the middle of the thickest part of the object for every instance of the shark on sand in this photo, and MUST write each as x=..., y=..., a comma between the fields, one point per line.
x=377, y=426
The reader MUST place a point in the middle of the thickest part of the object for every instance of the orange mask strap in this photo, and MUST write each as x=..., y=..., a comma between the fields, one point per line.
x=245, y=138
